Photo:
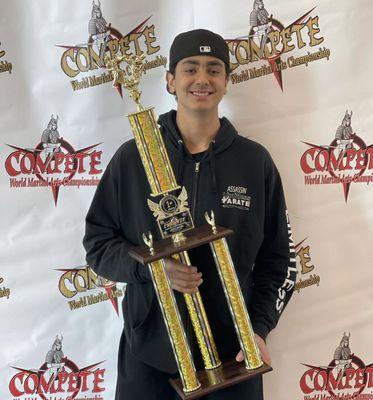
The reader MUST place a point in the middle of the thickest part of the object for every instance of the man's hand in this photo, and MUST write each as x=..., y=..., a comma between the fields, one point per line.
x=184, y=278
x=262, y=349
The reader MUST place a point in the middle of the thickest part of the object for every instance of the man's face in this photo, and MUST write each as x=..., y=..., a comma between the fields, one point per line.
x=199, y=83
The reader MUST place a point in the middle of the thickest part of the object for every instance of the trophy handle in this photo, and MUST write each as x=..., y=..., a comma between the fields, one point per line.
x=211, y=221
x=148, y=240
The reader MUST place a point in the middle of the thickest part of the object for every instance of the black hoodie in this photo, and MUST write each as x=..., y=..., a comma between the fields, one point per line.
x=237, y=179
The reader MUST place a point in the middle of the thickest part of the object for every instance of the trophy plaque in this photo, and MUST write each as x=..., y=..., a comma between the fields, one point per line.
x=169, y=205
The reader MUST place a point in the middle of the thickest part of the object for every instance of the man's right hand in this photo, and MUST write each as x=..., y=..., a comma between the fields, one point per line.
x=184, y=278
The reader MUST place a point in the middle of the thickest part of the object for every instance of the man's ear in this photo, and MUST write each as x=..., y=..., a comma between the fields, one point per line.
x=170, y=78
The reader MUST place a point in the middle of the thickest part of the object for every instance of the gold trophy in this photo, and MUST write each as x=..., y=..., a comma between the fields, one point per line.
x=179, y=235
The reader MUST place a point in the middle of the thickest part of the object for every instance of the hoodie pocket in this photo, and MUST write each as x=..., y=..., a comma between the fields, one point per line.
x=138, y=305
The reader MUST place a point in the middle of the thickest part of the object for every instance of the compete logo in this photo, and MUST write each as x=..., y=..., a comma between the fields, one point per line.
x=346, y=160
x=345, y=377
x=269, y=39
x=4, y=291
x=303, y=253
x=58, y=377
x=81, y=59
x=53, y=163
x=5, y=66
x=76, y=281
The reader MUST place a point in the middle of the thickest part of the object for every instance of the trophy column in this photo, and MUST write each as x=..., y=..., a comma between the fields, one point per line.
x=200, y=323
x=233, y=294
x=175, y=330
x=163, y=183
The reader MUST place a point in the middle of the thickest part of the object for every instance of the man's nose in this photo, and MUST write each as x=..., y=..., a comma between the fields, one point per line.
x=202, y=77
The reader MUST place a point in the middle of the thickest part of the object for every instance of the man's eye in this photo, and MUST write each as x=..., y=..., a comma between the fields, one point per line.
x=214, y=71
x=190, y=70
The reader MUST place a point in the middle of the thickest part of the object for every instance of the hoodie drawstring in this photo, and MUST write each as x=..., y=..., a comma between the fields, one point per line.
x=211, y=152
x=180, y=162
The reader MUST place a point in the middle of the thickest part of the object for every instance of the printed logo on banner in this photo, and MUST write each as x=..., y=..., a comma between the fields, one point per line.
x=269, y=40
x=76, y=281
x=53, y=163
x=307, y=276
x=346, y=160
x=83, y=59
x=4, y=291
x=58, y=377
x=345, y=377
x=5, y=66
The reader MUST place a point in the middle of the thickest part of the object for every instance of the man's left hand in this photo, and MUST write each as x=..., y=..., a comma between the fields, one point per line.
x=262, y=349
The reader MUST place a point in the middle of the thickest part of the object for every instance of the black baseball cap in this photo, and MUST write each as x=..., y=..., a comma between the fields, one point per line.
x=198, y=42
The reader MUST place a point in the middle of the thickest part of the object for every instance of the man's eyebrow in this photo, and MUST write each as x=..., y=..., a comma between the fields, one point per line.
x=215, y=63
x=191, y=62
x=209, y=63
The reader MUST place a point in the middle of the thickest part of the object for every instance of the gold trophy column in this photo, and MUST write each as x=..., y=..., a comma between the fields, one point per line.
x=236, y=303
x=175, y=330
x=200, y=323
x=162, y=181
x=153, y=153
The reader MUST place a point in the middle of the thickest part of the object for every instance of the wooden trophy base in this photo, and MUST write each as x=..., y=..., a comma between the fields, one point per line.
x=166, y=247
x=229, y=373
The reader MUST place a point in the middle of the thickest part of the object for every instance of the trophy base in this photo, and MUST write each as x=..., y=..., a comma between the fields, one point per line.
x=229, y=373
x=166, y=247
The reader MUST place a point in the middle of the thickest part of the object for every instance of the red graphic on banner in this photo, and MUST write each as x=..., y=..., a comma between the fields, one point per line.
x=345, y=377
x=345, y=161
x=57, y=378
x=53, y=163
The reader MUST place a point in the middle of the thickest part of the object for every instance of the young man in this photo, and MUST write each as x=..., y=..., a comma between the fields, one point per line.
x=221, y=171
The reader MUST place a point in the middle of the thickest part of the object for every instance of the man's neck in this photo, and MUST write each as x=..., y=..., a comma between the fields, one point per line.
x=197, y=129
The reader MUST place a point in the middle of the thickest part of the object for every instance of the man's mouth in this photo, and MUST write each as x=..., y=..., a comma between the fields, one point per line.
x=200, y=93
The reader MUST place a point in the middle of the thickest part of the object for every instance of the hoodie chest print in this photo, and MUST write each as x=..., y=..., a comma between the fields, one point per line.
x=236, y=197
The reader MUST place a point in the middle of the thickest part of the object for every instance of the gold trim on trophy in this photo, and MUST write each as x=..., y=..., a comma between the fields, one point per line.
x=153, y=152
x=131, y=82
x=148, y=240
x=176, y=333
x=144, y=126
x=236, y=303
x=200, y=322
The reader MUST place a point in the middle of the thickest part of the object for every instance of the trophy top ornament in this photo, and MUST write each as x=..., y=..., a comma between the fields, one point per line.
x=136, y=65
x=148, y=239
x=211, y=221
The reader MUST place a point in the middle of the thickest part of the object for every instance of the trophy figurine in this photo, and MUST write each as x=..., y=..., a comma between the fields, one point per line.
x=169, y=205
